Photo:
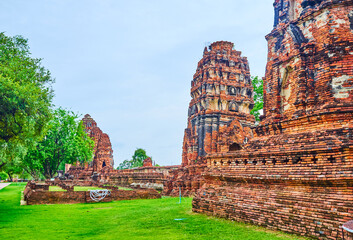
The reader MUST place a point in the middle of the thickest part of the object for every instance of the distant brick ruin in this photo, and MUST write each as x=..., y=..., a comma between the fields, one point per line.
x=103, y=152
x=101, y=169
x=219, y=113
x=295, y=172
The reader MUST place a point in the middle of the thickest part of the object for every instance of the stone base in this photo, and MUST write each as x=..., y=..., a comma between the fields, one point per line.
x=39, y=196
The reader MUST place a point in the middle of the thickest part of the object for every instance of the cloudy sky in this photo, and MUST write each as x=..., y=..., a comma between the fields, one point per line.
x=129, y=63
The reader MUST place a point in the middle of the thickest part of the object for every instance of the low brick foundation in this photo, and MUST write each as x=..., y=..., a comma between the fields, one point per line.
x=39, y=196
x=315, y=209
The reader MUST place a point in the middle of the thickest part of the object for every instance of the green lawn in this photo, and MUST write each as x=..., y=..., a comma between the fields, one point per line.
x=56, y=189
x=136, y=219
x=79, y=188
x=125, y=188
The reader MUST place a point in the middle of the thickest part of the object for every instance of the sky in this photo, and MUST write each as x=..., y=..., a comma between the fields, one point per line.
x=129, y=64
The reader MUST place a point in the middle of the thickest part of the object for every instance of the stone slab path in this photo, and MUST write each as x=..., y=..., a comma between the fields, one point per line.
x=2, y=185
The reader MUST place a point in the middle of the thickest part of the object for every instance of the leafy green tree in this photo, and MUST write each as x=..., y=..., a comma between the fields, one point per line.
x=65, y=142
x=13, y=167
x=25, y=97
x=126, y=164
x=136, y=161
x=258, y=97
x=3, y=176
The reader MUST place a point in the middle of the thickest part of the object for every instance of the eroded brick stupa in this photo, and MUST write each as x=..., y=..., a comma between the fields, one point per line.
x=296, y=173
x=103, y=152
x=219, y=117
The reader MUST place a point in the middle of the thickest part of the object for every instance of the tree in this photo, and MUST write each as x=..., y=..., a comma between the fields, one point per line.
x=258, y=97
x=126, y=164
x=3, y=176
x=25, y=97
x=13, y=167
x=136, y=161
x=65, y=142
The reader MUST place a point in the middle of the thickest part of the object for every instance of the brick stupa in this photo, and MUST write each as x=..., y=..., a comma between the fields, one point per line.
x=219, y=117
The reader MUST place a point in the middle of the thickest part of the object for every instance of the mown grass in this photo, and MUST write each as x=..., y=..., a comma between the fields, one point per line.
x=79, y=188
x=137, y=219
x=56, y=189
x=125, y=188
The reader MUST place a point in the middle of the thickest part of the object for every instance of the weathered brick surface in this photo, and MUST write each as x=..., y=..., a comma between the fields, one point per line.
x=312, y=210
x=296, y=173
x=33, y=196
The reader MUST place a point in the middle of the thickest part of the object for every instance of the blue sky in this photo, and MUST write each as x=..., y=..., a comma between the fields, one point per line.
x=129, y=64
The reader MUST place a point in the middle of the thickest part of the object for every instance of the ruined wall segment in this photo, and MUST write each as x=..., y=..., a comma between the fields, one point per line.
x=295, y=174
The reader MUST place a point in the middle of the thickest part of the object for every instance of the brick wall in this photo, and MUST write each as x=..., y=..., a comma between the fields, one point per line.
x=46, y=197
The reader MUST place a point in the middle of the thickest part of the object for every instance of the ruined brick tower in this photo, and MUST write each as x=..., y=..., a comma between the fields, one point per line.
x=103, y=152
x=295, y=174
x=219, y=117
x=309, y=67
x=221, y=91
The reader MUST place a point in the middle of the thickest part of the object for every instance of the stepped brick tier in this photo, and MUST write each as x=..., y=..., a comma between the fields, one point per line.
x=36, y=193
x=296, y=173
x=103, y=152
x=219, y=117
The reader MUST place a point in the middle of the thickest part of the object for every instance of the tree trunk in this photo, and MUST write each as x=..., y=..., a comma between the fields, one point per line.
x=10, y=177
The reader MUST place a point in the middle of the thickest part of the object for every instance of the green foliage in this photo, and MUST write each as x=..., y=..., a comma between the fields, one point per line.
x=65, y=142
x=136, y=161
x=3, y=176
x=258, y=97
x=25, y=97
x=13, y=167
x=133, y=219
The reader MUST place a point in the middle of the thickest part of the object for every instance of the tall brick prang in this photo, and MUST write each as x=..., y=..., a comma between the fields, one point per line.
x=221, y=92
x=219, y=117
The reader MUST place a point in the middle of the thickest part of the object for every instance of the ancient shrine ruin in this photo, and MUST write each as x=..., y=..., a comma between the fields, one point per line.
x=103, y=152
x=294, y=171
x=100, y=170
x=219, y=113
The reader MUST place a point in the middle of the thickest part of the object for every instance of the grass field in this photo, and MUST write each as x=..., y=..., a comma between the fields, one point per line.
x=136, y=219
